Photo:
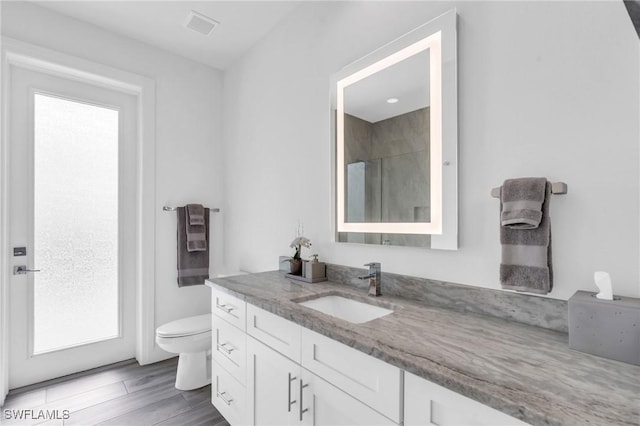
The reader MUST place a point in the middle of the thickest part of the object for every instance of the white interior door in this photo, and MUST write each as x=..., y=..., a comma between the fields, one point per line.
x=72, y=206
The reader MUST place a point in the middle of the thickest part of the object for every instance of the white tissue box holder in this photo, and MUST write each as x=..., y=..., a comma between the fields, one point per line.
x=606, y=328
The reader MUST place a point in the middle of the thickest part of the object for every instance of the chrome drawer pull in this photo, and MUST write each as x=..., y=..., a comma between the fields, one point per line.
x=306, y=409
x=226, y=349
x=221, y=396
x=226, y=308
x=291, y=379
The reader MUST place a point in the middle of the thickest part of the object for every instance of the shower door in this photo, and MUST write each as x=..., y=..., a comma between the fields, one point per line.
x=72, y=226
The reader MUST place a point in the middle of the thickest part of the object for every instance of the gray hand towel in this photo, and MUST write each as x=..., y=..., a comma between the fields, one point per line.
x=193, y=266
x=522, y=202
x=196, y=232
x=195, y=212
x=526, y=254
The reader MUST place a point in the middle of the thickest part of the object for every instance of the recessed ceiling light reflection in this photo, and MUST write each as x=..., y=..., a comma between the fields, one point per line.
x=392, y=100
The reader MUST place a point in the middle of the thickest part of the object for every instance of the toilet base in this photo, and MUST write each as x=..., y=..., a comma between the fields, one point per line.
x=194, y=370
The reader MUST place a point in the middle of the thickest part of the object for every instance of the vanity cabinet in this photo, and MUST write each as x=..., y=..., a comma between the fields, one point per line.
x=229, y=357
x=426, y=403
x=279, y=384
x=281, y=392
x=267, y=370
x=263, y=373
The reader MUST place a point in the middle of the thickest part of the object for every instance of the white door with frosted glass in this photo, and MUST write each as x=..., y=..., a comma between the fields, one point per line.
x=72, y=205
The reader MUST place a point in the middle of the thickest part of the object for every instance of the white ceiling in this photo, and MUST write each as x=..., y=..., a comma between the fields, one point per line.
x=160, y=23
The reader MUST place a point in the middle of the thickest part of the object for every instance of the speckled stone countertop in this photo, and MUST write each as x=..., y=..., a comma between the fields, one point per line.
x=524, y=371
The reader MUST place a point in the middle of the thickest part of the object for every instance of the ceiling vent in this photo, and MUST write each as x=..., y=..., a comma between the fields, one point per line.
x=200, y=23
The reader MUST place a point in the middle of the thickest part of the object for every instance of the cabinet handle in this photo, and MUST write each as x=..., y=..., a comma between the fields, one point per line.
x=226, y=308
x=301, y=403
x=291, y=379
x=221, y=396
x=431, y=409
x=225, y=349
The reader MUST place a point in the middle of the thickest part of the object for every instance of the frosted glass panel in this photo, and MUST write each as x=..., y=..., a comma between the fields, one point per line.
x=75, y=223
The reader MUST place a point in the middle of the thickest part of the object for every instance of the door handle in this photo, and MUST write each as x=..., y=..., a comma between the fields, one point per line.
x=22, y=270
x=302, y=411
x=291, y=379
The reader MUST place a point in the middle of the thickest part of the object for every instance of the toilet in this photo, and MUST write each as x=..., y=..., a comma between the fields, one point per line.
x=191, y=338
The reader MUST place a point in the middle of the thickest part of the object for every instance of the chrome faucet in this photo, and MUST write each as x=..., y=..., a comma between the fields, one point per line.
x=374, y=278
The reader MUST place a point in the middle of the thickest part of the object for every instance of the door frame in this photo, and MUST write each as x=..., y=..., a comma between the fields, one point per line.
x=16, y=53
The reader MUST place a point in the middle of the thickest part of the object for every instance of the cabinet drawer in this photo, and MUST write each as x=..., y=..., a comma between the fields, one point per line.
x=228, y=396
x=370, y=380
x=230, y=348
x=426, y=403
x=274, y=331
x=327, y=405
x=229, y=308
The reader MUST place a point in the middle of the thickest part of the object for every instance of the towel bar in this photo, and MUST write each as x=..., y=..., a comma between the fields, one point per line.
x=172, y=209
x=556, y=188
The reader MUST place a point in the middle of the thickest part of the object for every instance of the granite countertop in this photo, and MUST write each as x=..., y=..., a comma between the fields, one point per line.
x=524, y=371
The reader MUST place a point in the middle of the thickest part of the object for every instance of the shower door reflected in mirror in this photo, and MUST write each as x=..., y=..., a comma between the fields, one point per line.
x=377, y=192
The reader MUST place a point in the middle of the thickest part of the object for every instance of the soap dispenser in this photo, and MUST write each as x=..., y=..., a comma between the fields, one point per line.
x=315, y=270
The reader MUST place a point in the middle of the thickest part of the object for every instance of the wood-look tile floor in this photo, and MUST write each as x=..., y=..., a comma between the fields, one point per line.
x=120, y=394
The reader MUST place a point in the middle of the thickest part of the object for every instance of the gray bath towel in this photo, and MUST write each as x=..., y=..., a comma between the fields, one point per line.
x=526, y=253
x=193, y=266
x=522, y=202
x=195, y=212
x=195, y=228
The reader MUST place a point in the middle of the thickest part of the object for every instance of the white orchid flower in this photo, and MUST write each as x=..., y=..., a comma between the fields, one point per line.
x=300, y=241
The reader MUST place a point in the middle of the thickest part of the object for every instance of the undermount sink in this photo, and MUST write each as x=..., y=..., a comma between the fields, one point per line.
x=346, y=309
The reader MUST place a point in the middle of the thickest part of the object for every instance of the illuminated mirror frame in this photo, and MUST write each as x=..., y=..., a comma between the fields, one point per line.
x=433, y=44
x=439, y=38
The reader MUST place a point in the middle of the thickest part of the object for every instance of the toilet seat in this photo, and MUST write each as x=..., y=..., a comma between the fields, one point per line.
x=185, y=327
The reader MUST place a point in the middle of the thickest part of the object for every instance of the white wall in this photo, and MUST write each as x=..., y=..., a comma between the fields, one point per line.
x=188, y=128
x=545, y=89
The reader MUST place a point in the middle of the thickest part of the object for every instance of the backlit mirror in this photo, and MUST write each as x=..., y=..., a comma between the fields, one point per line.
x=396, y=142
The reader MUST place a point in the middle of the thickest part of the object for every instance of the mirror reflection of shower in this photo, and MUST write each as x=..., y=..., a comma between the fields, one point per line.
x=387, y=151
x=389, y=189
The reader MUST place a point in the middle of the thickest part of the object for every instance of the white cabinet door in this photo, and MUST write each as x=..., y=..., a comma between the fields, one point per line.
x=368, y=379
x=228, y=396
x=426, y=403
x=271, y=383
x=325, y=405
